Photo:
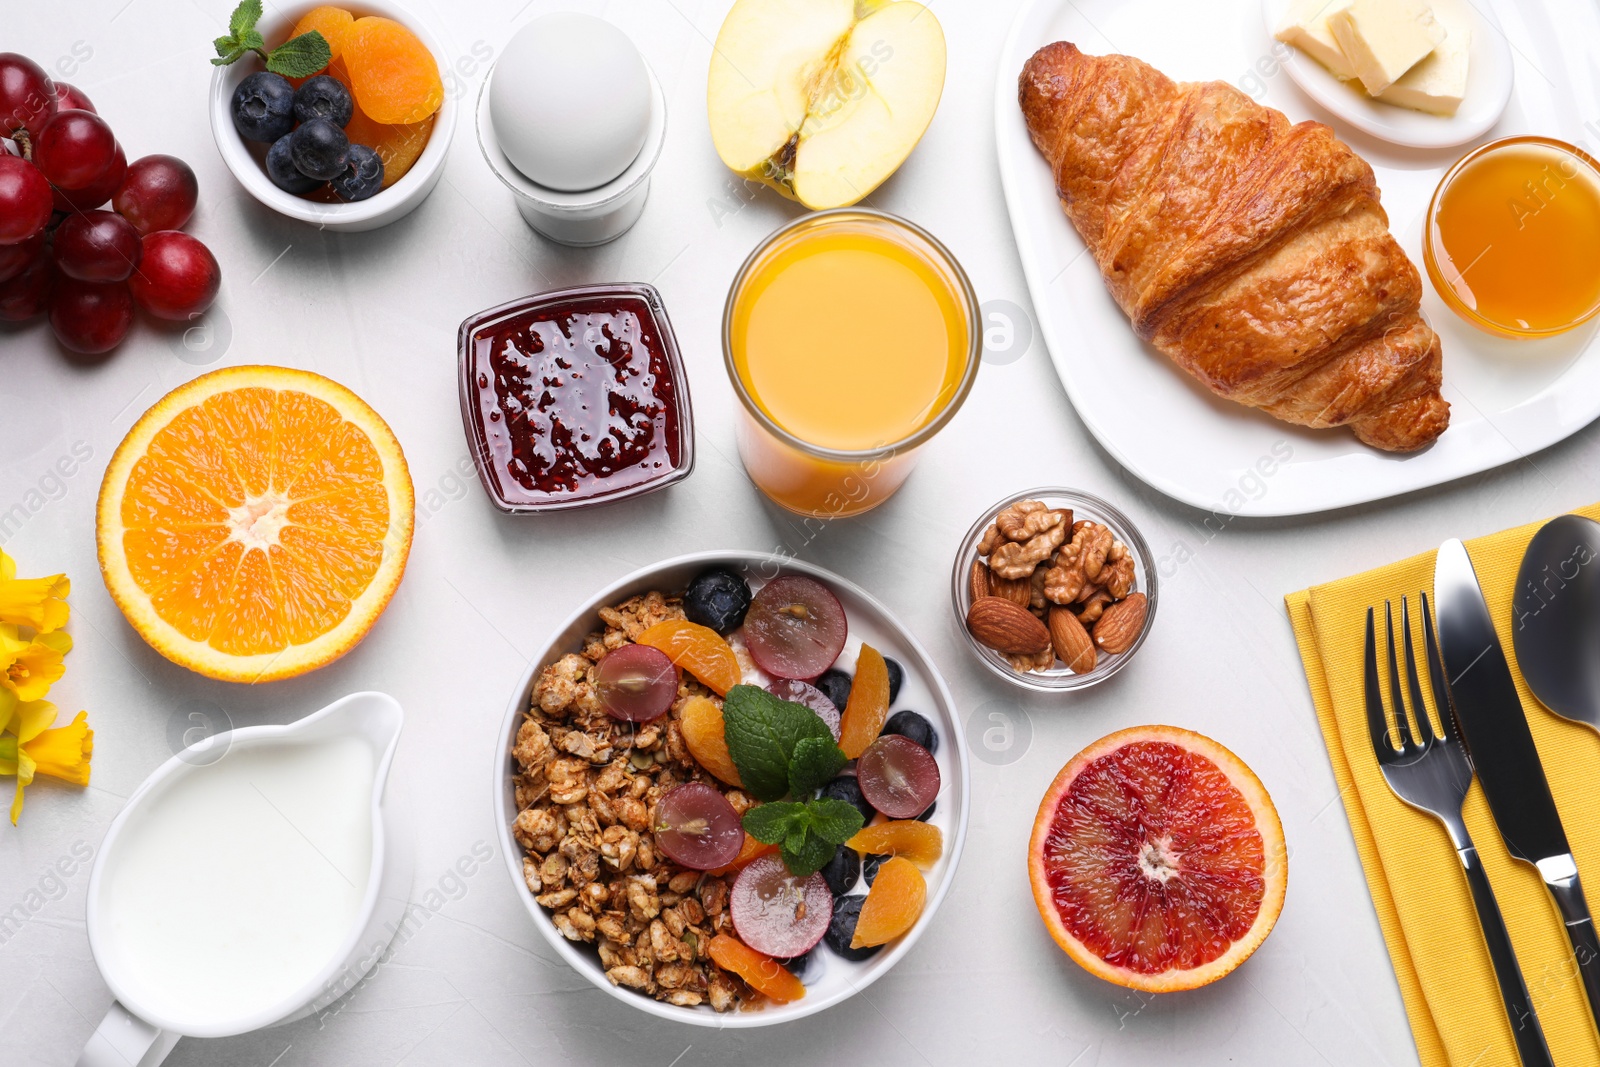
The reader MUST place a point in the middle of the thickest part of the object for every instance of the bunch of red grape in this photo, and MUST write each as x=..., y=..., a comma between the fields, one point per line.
x=59, y=252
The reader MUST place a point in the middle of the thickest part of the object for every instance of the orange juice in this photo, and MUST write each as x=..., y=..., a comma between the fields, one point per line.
x=850, y=339
x=1512, y=237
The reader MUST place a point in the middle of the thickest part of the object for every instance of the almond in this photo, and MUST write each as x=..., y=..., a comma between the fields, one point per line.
x=980, y=579
x=1121, y=624
x=1073, y=645
x=1004, y=626
x=1017, y=590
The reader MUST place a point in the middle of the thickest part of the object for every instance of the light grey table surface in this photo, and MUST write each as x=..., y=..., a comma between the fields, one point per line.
x=476, y=984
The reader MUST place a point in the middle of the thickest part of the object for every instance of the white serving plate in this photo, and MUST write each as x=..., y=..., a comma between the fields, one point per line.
x=1490, y=77
x=1509, y=398
x=923, y=690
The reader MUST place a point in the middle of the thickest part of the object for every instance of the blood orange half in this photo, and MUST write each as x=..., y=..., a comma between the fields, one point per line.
x=1157, y=859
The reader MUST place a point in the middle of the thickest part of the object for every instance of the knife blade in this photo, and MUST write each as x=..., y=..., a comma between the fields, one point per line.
x=1495, y=729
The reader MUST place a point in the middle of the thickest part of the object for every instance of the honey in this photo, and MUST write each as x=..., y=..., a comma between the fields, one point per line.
x=850, y=337
x=1513, y=237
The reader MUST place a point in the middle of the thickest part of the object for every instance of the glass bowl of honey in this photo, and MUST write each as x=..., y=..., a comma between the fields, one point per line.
x=851, y=338
x=1511, y=236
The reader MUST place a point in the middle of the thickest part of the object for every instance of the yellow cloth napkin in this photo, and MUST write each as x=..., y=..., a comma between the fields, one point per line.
x=1418, y=889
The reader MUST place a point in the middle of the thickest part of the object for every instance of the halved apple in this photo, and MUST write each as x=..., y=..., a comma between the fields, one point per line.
x=824, y=99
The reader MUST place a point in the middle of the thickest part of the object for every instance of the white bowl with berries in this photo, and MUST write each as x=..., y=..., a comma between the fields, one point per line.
x=352, y=139
x=682, y=717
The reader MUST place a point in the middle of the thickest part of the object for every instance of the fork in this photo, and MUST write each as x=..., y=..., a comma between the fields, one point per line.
x=1431, y=771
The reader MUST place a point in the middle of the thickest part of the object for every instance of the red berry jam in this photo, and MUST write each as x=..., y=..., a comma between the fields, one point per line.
x=575, y=397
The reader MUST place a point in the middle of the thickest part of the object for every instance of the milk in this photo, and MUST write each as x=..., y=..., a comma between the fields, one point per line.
x=241, y=880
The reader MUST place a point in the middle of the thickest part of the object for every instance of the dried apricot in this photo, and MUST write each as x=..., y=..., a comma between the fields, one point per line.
x=394, y=77
x=868, y=706
x=699, y=650
x=916, y=841
x=766, y=975
x=751, y=850
x=398, y=146
x=893, y=904
x=701, y=723
x=331, y=22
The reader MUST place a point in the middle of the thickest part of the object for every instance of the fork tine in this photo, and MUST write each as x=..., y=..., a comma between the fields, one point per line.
x=1419, y=710
x=1377, y=722
x=1441, y=691
x=1402, y=728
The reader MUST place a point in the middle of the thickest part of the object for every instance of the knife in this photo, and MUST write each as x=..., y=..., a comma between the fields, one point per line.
x=1495, y=730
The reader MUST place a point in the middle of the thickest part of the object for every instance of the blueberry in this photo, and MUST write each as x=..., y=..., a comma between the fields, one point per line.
x=842, y=871
x=801, y=966
x=263, y=107
x=846, y=912
x=846, y=788
x=911, y=725
x=319, y=149
x=925, y=816
x=835, y=685
x=284, y=174
x=323, y=98
x=362, y=175
x=870, y=865
x=897, y=677
x=719, y=599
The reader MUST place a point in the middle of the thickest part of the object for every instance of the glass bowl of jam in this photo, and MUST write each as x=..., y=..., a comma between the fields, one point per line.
x=575, y=397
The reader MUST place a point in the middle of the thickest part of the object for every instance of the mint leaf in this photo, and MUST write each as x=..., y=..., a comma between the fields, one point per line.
x=251, y=41
x=812, y=854
x=815, y=760
x=300, y=57
x=762, y=732
x=226, y=45
x=834, y=820
x=770, y=823
x=244, y=17
x=226, y=58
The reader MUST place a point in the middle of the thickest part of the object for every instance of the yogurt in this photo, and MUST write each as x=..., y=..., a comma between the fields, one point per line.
x=241, y=880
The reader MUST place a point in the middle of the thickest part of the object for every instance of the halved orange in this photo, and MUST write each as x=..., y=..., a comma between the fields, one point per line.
x=255, y=522
x=1157, y=859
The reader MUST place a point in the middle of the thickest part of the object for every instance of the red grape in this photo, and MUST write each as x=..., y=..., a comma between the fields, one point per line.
x=795, y=628
x=75, y=149
x=898, y=776
x=809, y=696
x=27, y=95
x=24, y=200
x=777, y=913
x=158, y=193
x=14, y=259
x=178, y=277
x=96, y=192
x=88, y=317
x=69, y=97
x=636, y=683
x=100, y=246
x=28, y=294
x=697, y=828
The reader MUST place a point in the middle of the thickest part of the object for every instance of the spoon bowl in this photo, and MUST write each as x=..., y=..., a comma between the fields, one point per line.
x=1556, y=618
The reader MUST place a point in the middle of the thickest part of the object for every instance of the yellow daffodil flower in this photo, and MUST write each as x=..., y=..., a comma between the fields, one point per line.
x=40, y=603
x=28, y=747
x=28, y=668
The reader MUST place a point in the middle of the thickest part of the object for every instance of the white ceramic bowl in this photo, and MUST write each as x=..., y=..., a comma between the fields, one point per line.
x=924, y=691
x=393, y=203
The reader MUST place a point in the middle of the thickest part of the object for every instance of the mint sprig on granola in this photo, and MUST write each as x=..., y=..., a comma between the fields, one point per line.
x=298, y=57
x=785, y=750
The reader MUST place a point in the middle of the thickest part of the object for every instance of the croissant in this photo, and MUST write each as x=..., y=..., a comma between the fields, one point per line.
x=1252, y=252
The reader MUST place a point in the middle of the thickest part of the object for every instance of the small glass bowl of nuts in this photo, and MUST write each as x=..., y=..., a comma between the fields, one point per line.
x=1054, y=589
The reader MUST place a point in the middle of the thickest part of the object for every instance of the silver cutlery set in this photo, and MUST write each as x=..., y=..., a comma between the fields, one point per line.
x=1477, y=727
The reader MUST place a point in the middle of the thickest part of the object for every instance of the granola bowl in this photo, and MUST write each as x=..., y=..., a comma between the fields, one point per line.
x=1058, y=677
x=662, y=955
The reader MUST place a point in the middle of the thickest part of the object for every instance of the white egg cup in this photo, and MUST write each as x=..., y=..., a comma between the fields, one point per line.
x=593, y=216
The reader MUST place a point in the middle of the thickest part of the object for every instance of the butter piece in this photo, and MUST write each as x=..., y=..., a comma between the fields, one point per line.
x=1439, y=83
x=1306, y=28
x=1385, y=38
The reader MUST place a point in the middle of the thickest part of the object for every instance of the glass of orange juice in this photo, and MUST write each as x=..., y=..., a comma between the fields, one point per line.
x=851, y=337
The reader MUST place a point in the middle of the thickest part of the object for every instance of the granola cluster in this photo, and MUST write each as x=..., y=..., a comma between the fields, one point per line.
x=587, y=788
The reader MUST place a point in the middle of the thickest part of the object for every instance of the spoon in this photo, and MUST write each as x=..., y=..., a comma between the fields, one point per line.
x=1556, y=618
